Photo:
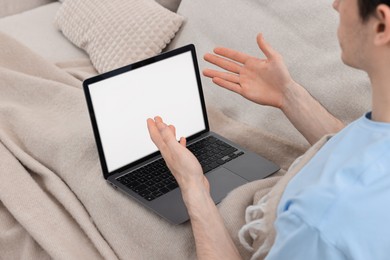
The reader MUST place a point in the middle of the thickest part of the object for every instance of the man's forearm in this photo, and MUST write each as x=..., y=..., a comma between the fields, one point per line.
x=211, y=236
x=308, y=116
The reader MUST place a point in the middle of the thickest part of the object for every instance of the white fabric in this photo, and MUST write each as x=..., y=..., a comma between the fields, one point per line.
x=117, y=32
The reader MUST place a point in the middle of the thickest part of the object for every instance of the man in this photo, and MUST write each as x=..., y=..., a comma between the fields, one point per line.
x=336, y=207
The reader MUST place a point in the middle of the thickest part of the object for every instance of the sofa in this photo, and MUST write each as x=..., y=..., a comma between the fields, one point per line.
x=304, y=32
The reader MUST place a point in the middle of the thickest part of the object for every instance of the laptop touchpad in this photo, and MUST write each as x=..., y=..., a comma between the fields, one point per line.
x=222, y=181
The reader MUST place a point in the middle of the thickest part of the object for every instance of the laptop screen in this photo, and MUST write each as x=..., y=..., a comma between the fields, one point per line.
x=122, y=103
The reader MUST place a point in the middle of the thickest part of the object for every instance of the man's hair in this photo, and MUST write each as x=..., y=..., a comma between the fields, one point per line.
x=367, y=7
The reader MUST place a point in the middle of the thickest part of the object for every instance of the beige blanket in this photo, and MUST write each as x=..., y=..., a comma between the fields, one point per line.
x=54, y=202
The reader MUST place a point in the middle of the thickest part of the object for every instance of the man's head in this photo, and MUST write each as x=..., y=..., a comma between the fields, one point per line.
x=364, y=32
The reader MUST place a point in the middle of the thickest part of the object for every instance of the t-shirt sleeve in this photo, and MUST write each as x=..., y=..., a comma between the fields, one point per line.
x=296, y=239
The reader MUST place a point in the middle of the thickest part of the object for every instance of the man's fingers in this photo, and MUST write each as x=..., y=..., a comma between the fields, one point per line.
x=163, y=136
x=167, y=134
x=183, y=141
x=153, y=131
x=232, y=54
x=173, y=129
x=268, y=51
x=223, y=63
x=223, y=75
x=160, y=124
x=155, y=135
x=228, y=85
x=158, y=119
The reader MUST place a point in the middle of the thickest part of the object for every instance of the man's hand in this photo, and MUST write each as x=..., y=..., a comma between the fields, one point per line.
x=268, y=82
x=182, y=163
x=263, y=81
x=211, y=236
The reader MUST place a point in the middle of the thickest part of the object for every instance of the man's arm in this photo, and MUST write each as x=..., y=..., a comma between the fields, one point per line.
x=308, y=116
x=267, y=82
x=211, y=237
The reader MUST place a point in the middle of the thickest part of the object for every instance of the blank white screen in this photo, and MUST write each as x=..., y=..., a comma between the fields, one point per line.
x=122, y=104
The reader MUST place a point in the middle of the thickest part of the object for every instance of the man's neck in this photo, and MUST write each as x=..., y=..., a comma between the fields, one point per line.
x=380, y=97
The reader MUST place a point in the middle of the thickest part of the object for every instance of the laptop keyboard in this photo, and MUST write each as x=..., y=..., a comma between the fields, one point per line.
x=154, y=179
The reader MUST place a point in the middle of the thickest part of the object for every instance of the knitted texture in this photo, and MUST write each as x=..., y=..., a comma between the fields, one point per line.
x=117, y=32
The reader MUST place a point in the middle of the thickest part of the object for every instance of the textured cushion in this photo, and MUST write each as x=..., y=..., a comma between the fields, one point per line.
x=169, y=4
x=117, y=32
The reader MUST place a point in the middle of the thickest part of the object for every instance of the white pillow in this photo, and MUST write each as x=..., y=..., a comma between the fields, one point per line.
x=117, y=32
x=169, y=4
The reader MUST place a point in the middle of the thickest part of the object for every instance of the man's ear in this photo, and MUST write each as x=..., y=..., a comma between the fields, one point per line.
x=382, y=25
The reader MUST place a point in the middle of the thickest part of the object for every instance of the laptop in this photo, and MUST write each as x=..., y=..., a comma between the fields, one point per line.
x=167, y=85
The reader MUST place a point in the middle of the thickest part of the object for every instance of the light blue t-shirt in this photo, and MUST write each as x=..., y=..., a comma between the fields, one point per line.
x=338, y=205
